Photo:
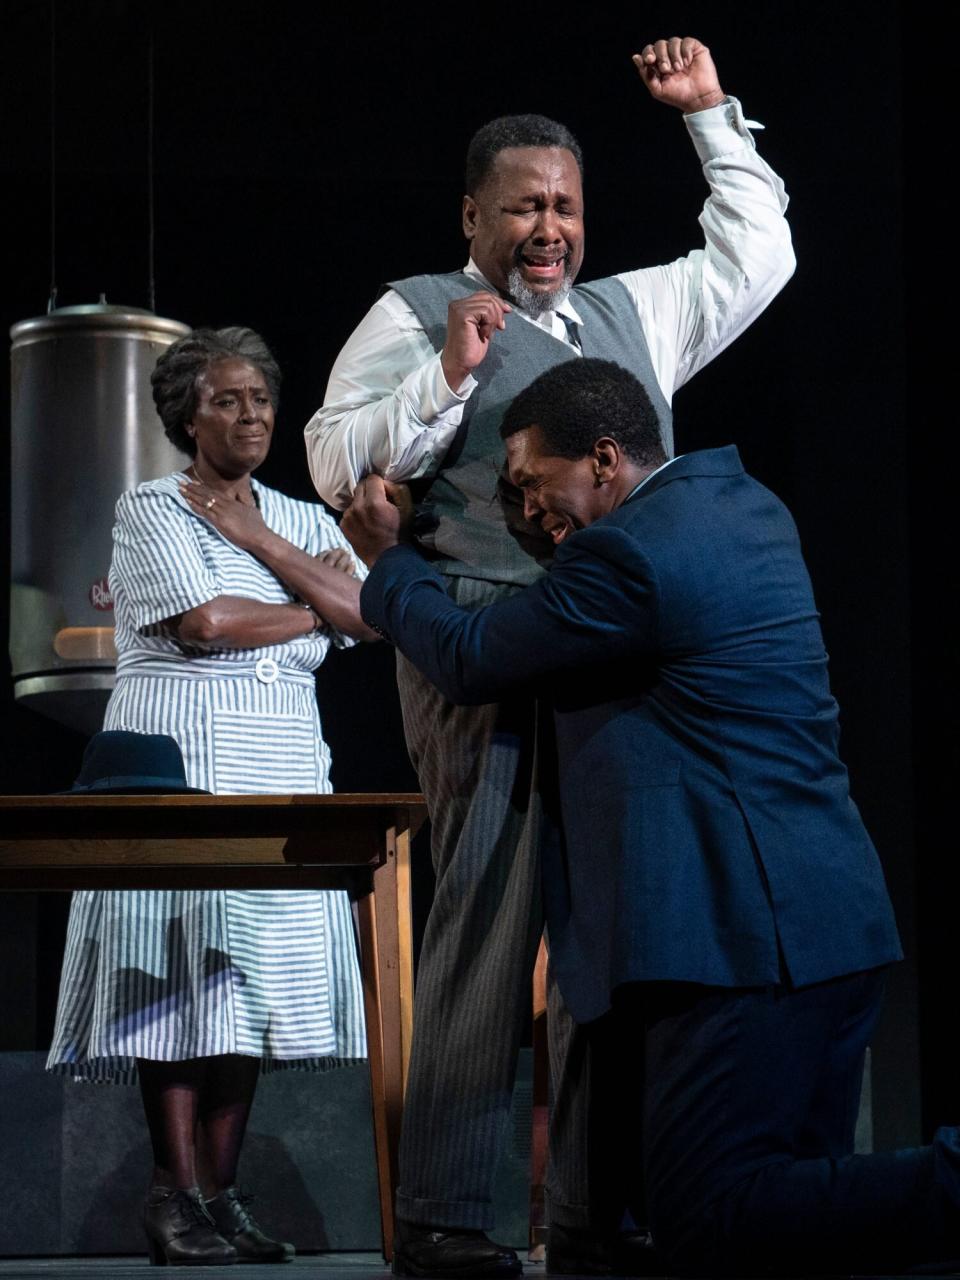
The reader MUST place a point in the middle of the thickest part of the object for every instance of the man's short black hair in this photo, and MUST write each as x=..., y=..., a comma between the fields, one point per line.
x=514, y=131
x=577, y=402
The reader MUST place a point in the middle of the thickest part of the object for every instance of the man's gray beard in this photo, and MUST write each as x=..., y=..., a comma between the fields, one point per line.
x=532, y=301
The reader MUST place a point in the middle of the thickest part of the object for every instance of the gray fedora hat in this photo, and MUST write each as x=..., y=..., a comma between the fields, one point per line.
x=117, y=762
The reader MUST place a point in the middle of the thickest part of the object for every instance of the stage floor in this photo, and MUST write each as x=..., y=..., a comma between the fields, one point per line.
x=331, y=1266
x=327, y=1266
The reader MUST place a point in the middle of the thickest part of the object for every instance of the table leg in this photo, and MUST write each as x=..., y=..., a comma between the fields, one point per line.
x=387, y=958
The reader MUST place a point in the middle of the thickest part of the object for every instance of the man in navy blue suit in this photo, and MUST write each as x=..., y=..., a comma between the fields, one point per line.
x=717, y=915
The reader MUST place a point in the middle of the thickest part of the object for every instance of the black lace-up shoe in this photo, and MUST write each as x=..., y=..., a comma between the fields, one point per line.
x=180, y=1232
x=239, y=1228
x=443, y=1251
x=575, y=1252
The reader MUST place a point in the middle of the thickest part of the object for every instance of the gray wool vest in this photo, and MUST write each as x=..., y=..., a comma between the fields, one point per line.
x=469, y=518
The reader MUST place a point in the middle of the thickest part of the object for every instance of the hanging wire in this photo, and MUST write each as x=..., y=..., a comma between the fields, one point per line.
x=151, y=212
x=52, y=298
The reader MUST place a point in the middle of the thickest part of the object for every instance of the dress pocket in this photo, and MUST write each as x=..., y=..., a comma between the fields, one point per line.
x=261, y=754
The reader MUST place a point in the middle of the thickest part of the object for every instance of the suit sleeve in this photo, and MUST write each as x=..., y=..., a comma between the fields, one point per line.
x=598, y=604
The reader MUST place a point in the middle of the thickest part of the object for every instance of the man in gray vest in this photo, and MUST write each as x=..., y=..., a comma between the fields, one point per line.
x=417, y=396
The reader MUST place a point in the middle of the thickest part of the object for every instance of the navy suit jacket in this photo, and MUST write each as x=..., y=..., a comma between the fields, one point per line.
x=708, y=831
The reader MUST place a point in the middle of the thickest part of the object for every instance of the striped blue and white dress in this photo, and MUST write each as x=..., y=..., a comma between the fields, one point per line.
x=195, y=973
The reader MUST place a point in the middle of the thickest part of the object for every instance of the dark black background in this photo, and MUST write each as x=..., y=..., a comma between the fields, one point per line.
x=303, y=156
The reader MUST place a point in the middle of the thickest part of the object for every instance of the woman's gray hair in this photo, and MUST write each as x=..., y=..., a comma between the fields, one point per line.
x=175, y=379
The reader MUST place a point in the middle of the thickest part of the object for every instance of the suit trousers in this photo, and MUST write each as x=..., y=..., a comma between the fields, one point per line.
x=744, y=1116
x=594, y=1176
x=477, y=770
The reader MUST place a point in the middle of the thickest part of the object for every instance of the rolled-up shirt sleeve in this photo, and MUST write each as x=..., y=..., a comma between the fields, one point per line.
x=158, y=561
x=693, y=308
x=387, y=409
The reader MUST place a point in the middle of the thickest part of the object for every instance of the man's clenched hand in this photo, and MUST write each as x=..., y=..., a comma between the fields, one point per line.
x=471, y=323
x=680, y=72
x=377, y=518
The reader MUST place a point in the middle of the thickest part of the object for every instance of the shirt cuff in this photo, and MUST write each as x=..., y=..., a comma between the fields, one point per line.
x=436, y=397
x=721, y=129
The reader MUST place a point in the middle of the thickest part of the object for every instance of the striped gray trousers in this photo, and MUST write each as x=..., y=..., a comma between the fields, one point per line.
x=477, y=769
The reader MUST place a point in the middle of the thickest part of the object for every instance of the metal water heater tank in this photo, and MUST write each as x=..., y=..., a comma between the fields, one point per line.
x=84, y=429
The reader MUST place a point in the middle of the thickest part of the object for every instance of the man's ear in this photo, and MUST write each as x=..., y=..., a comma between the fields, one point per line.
x=606, y=457
x=470, y=215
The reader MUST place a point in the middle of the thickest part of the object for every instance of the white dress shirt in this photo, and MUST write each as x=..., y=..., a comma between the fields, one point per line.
x=388, y=409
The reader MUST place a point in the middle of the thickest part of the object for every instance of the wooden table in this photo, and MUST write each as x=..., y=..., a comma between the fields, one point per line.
x=357, y=842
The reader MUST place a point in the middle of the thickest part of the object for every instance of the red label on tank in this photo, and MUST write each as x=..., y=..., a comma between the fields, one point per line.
x=100, y=596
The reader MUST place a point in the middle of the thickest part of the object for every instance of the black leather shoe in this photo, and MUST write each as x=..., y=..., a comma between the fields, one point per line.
x=239, y=1228
x=575, y=1252
x=442, y=1251
x=180, y=1232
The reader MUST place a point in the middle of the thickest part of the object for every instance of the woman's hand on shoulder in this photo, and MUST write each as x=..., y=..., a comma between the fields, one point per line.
x=238, y=521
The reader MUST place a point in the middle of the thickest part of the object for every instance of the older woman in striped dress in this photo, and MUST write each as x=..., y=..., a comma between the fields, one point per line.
x=227, y=596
